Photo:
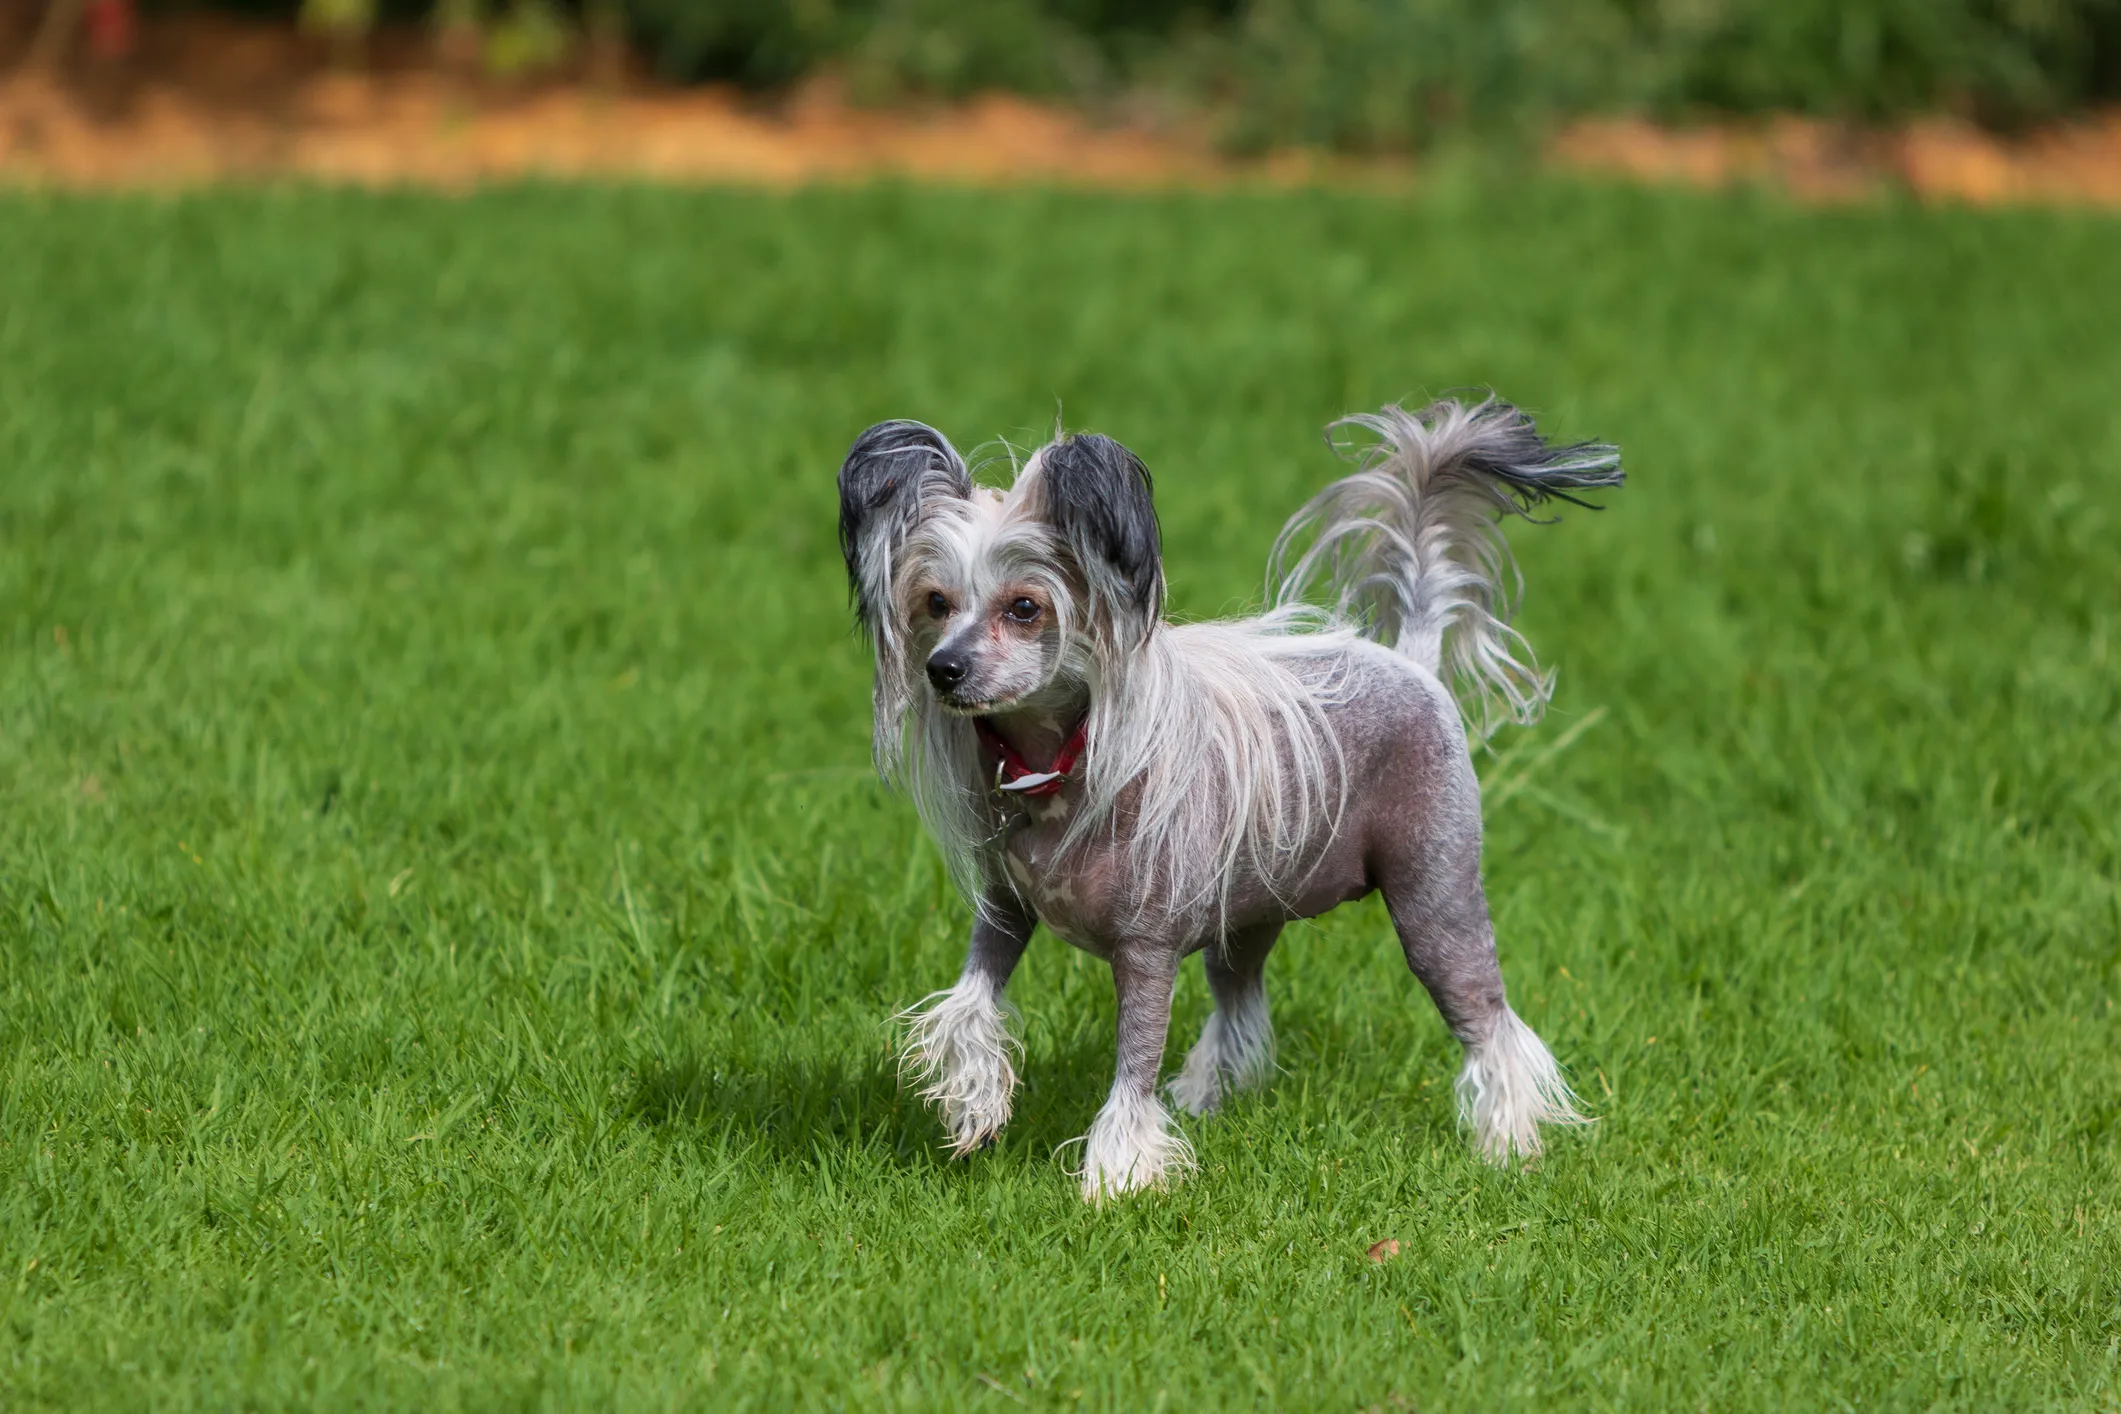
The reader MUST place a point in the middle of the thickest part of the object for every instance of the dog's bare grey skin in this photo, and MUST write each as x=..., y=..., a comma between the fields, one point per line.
x=1233, y=775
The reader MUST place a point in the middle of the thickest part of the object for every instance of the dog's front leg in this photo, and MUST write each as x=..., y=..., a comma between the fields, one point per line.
x=958, y=1043
x=1131, y=1144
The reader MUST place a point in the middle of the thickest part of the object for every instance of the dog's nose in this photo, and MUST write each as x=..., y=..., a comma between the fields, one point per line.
x=946, y=670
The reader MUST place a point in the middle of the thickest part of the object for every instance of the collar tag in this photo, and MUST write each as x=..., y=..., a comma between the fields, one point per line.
x=1015, y=776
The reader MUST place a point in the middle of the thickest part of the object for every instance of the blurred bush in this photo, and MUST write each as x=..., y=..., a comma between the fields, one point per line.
x=896, y=48
x=1361, y=74
x=1393, y=73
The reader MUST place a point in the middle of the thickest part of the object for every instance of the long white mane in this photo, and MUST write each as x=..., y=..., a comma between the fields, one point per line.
x=1209, y=757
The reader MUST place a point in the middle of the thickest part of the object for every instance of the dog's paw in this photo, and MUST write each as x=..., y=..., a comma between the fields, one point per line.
x=1130, y=1147
x=1509, y=1089
x=1197, y=1089
x=959, y=1049
x=972, y=1131
x=1235, y=1052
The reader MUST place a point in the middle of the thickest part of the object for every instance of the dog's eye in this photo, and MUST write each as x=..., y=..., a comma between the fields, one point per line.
x=938, y=607
x=1022, y=609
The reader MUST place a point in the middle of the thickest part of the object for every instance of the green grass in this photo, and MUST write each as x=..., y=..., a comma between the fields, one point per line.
x=448, y=931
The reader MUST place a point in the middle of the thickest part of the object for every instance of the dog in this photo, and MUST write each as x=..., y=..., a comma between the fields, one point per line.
x=1149, y=789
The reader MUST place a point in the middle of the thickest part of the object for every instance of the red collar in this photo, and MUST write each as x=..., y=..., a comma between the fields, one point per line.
x=1014, y=775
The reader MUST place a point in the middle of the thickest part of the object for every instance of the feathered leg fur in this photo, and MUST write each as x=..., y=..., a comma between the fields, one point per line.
x=1509, y=1088
x=959, y=1050
x=1131, y=1144
x=1236, y=1048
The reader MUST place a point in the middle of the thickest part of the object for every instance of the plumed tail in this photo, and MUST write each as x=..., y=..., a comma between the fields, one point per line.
x=1410, y=545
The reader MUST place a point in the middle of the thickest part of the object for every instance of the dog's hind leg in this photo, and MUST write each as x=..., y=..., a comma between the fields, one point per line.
x=1236, y=1048
x=958, y=1043
x=1131, y=1143
x=1510, y=1085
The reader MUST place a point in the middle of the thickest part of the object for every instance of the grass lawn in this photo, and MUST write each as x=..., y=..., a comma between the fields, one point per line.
x=448, y=928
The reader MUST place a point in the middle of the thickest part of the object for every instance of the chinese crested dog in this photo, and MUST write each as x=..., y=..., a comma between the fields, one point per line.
x=1149, y=790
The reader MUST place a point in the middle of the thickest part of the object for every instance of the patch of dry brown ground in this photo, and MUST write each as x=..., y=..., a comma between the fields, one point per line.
x=1941, y=158
x=211, y=100
x=214, y=100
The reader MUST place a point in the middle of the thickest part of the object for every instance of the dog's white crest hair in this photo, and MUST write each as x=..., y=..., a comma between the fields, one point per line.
x=1410, y=546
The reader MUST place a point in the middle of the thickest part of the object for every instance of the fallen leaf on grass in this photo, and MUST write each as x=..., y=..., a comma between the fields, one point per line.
x=1384, y=1251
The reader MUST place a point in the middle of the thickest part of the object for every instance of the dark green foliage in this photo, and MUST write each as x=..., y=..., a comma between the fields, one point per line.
x=1885, y=58
x=447, y=923
x=1393, y=75
x=898, y=49
x=755, y=42
x=1390, y=74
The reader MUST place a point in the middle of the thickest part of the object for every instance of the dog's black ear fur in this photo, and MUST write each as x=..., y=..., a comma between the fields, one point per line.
x=1101, y=499
x=890, y=471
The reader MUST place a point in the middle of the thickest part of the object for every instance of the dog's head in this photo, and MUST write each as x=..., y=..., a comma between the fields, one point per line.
x=989, y=599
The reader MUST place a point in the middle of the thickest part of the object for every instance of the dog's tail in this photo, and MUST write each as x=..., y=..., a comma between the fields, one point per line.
x=1410, y=546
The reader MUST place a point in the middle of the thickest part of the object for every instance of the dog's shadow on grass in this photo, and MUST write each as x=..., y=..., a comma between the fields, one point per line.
x=802, y=1109
x=807, y=1109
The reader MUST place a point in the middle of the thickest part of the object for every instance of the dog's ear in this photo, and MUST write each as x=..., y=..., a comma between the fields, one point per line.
x=892, y=472
x=1100, y=498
